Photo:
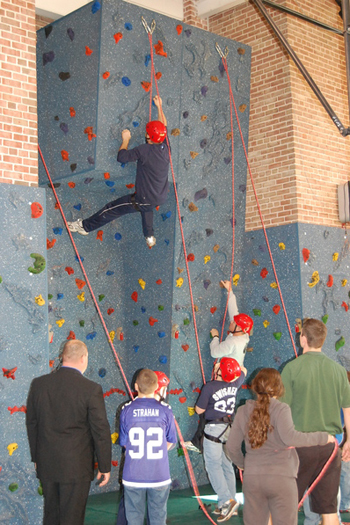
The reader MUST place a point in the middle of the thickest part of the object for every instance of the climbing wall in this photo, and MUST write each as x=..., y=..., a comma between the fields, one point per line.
x=23, y=343
x=94, y=72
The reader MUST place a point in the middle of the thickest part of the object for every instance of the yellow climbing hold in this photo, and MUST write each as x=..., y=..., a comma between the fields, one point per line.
x=216, y=247
x=274, y=285
x=344, y=282
x=142, y=283
x=235, y=279
x=11, y=448
x=112, y=335
x=214, y=78
x=315, y=278
x=191, y=411
x=196, y=308
x=60, y=322
x=282, y=246
x=229, y=136
x=193, y=154
x=40, y=300
x=266, y=323
x=206, y=259
x=179, y=282
x=81, y=297
x=335, y=256
x=114, y=437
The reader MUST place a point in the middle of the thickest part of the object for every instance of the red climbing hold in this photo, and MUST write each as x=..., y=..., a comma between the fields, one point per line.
x=276, y=309
x=182, y=399
x=114, y=463
x=52, y=361
x=159, y=281
x=179, y=29
x=130, y=186
x=106, y=175
x=80, y=284
x=69, y=270
x=121, y=336
x=297, y=329
x=71, y=184
x=65, y=155
x=345, y=306
x=117, y=37
x=89, y=131
x=198, y=390
x=99, y=235
x=105, y=74
x=146, y=85
x=176, y=335
x=37, y=210
x=14, y=409
x=110, y=311
x=57, y=206
x=152, y=320
x=306, y=254
x=158, y=75
x=190, y=257
x=134, y=296
x=264, y=273
x=330, y=281
x=72, y=112
x=50, y=244
x=9, y=373
x=213, y=309
x=185, y=347
x=71, y=336
x=159, y=49
x=88, y=51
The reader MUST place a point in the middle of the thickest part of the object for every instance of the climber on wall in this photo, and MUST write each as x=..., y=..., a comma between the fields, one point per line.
x=151, y=185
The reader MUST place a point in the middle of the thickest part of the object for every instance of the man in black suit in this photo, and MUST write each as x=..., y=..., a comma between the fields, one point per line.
x=66, y=426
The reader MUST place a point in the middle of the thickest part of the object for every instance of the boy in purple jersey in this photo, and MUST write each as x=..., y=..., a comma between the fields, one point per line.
x=147, y=431
x=218, y=400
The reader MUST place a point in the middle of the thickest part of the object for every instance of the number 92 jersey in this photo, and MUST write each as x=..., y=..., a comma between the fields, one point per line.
x=146, y=426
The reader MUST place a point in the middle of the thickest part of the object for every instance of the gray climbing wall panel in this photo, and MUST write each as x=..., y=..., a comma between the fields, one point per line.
x=23, y=343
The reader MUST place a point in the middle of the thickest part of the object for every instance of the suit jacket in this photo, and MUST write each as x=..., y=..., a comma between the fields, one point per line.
x=66, y=426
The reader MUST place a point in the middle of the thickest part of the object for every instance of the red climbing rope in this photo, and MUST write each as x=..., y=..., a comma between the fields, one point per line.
x=86, y=277
x=258, y=205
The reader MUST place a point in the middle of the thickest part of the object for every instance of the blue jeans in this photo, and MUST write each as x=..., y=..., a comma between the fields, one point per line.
x=345, y=485
x=219, y=468
x=135, y=504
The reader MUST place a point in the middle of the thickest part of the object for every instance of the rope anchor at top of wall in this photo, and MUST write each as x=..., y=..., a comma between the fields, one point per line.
x=146, y=26
x=219, y=50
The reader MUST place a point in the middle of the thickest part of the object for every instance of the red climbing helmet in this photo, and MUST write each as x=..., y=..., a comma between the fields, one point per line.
x=230, y=369
x=163, y=380
x=156, y=131
x=244, y=321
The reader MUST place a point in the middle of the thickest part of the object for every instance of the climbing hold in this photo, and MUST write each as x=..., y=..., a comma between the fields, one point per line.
x=82, y=323
x=204, y=91
x=91, y=161
x=109, y=272
x=73, y=167
x=106, y=175
x=9, y=373
x=282, y=246
x=161, y=334
x=186, y=321
x=335, y=256
x=240, y=51
x=274, y=285
x=216, y=248
x=134, y=296
x=213, y=309
x=314, y=279
x=158, y=75
x=190, y=257
x=235, y=279
x=179, y=282
x=188, y=32
x=192, y=207
x=69, y=270
x=60, y=296
x=191, y=411
x=48, y=30
x=209, y=232
x=105, y=75
x=36, y=209
x=11, y=448
x=101, y=297
x=203, y=143
x=89, y=132
x=15, y=409
x=166, y=215
x=60, y=322
x=276, y=309
x=96, y=6
x=152, y=320
x=13, y=487
x=345, y=306
x=159, y=49
x=344, y=282
x=339, y=343
x=88, y=179
x=206, y=259
x=117, y=37
x=117, y=236
x=142, y=283
x=256, y=311
x=71, y=185
x=110, y=311
x=266, y=324
x=81, y=297
x=57, y=231
x=146, y=85
x=126, y=81
x=255, y=262
x=102, y=372
x=325, y=318
x=163, y=359
x=306, y=254
x=50, y=244
x=193, y=155
x=40, y=300
x=175, y=132
x=180, y=270
x=143, y=309
x=64, y=128
x=80, y=283
x=135, y=322
x=50, y=296
x=91, y=336
x=114, y=437
x=99, y=236
x=330, y=281
x=72, y=112
x=264, y=273
x=39, y=263
x=136, y=348
x=130, y=186
x=88, y=51
x=112, y=335
x=71, y=336
x=159, y=281
x=229, y=136
x=179, y=29
x=64, y=76
x=182, y=399
x=265, y=298
x=203, y=118
x=242, y=108
x=277, y=335
x=119, y=334
x=201, y=194
x=214, y=78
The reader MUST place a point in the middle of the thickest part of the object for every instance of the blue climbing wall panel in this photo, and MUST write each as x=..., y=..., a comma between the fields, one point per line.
x=23, y=343
x=93, y=76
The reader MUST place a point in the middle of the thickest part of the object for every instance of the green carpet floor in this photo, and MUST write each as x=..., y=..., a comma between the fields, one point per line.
x=182, y=509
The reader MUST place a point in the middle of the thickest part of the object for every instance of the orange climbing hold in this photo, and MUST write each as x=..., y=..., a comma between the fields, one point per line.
x=118, y=37
x=50, y=244
x=152, y=320
x=134, y=296
x=306, y=254
x=69, y=270
x=57, y=206
x=213, y=309
x=179, y=29
x=71, y=184
x=72, y=112
x=159, y=49
x=71, y=336
x=106, y=175
x=330, y=281
x=106, y=74
x=36, y=209
x=276, y=309
x=88, y=51
x=89, y=132
x=99, y=235
x=65, y=155
x=345, y=306
x=158, y=75
x=80, y=284
x=190, y=257
x=159, y=281
x=146, y=85
x=130, y=186
x=185, y=347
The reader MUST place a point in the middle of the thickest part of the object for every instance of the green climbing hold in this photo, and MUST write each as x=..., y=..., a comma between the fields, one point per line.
x=339, y=343
x=82, y=323
x=40, y=489
x=101, y=297
x=277, y=335
x=325, y=319
x=180, y=452
x=39, y=263
x=256, y=311
x=186, y=321
x=0, y=279
x=160, y=307
x=13, y=487
x=135, y=322
x=50, y=296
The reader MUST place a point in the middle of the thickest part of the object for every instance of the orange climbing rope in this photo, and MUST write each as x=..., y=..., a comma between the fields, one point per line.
x=86, y=277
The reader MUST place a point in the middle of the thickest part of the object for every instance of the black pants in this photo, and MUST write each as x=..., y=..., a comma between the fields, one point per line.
x=65, y=503
x=118, y=208
x=197, y=439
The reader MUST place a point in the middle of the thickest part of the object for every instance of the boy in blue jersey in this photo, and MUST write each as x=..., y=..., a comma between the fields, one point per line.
x=147, y=431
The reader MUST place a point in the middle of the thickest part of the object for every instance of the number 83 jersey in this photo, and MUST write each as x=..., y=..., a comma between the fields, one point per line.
x=146, y=426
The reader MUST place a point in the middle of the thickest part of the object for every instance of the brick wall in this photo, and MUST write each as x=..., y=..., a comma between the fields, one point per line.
x=18, y=109
x=191, y=15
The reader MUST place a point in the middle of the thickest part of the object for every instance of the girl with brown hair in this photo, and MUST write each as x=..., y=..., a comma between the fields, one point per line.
x=270, y=462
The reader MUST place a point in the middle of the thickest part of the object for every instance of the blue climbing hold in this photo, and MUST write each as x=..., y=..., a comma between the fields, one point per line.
x=185, y=114
x=167, y=241
x=161, y=334
x=96, y=6
x=143, y=309
x=110, y=183
x=109, y=272
x=123, y=164
x=102, y=372
x=60, y=296
x=91, y=336
x=136, y=348
x=64, y=128
x=135, y=124
x=128, y=26
x=166, y=215
x=117, y=236
x=57, y=231
x=188, y=32
x=147, y=60
x=126, y=81
x=81, y=258
x=77, y=206
x=112, y=190
x=163, y=359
